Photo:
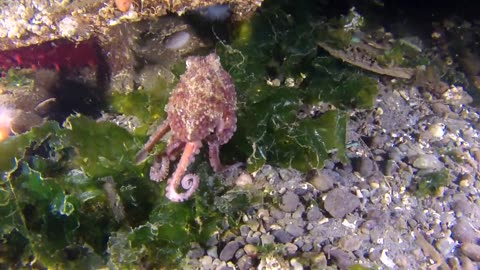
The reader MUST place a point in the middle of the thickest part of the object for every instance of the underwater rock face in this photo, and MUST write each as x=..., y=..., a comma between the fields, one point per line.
x=24, y=23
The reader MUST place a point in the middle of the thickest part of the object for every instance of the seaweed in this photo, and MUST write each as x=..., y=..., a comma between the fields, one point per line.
x=278, y=70
x=72, y=197
x=430, y=183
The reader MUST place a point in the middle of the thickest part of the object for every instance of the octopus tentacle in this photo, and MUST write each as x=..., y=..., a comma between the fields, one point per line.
x=156, y=136
x=159, y=169
x=213, y=155
x=173, y=149
x=190, y=181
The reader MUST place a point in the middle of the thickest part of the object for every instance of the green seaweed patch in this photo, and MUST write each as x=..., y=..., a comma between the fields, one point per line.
x=102, y=148
x=165, y=239
x=46, y=216
x=360, y=267
x=430, y=183
x=277, y=70
x=14, y=147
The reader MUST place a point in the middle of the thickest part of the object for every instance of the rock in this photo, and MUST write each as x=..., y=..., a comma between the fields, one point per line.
x=250, y=250
x=351, y=243
x=196, y=253
x=244, y=230
x=213, y=252
x=342, y=258
x=253, y=238
x=290, y=202
x=466, y=208
x=296, y=265
x=471, y=250
x=427, y=162
x=445, y=245
x=395, y=154
x=206, y=262
x=290, y=249
x=245, y=263
x=282, y=236
x=276, y=213
x=463, y=231
x=229, y=250
x=314, y=213
x=267, y=239
x=320, y=180
x=294, y=229
x=339, y=202
x=365, y=166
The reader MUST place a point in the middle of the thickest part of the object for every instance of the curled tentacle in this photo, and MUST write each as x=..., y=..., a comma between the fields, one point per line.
x=159, y=169
x=189, y=183
x=191, y=148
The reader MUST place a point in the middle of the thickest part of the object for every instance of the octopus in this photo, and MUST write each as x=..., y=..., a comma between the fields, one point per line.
x=201, y=109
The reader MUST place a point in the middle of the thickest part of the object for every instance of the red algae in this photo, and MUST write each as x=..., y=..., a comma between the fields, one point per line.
x=59, y=54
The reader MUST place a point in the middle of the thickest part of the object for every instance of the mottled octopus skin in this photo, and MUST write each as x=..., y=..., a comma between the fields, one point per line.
x=201, y=108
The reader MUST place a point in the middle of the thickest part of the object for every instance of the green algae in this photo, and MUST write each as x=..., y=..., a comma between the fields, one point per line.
x=430, y=183
x=73, y=197
x=278, y=70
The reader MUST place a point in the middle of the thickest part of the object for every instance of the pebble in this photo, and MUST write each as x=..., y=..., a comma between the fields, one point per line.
x=290, y=249
x=206, y=262
x=321, y=181
x=464, y=207
x=253, y=239
x=427, y=162
x=351, y=243
x=213, y=252
x=267, y=239
x=339, y=202
x=245, y=263
x=294, y=229
x=290, y=202
x=445, y=245
x=314, y=213
x=471, y=250
x=196, y=253
x=276, y=213
x=395, y=154
x=229, y=250
x=244, y=230
x=282, y=236
x=341, y=257
x=365, y=166
x=250, y=250
x=463, y=231
x=296, y=265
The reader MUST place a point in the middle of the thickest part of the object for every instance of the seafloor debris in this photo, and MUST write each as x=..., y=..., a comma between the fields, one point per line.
x=361, y=61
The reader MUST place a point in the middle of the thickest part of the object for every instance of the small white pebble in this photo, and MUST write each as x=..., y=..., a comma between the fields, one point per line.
x=386, y=260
